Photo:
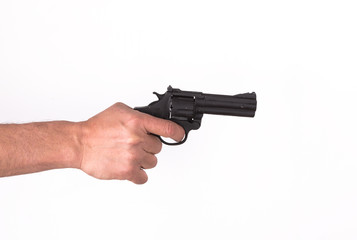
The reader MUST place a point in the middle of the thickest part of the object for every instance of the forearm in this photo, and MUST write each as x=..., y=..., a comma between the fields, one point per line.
x=34, y=147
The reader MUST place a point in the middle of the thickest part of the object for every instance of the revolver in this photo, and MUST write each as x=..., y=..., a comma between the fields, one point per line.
x=186, y=108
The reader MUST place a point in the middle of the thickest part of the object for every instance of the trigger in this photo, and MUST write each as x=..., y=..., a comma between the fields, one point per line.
x=176, y=143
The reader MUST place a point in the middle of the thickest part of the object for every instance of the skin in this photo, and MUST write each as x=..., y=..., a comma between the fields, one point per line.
x=114, y=144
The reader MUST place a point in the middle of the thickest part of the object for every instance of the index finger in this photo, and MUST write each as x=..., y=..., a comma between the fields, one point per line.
x=164, y=128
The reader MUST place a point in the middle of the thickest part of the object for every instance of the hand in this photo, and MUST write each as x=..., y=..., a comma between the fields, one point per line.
x=117, y=144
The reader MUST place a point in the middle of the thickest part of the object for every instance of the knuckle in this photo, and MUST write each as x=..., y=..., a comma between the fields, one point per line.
x=135, y=122
x=142, y=180
x=159, y=147
x=126, y=172
x=133, y=140
x=154, y=162
x=131, y=158
x=145, y=179
x=150, y=162
x=127, y=167
x=155, y=145
x=120, y=105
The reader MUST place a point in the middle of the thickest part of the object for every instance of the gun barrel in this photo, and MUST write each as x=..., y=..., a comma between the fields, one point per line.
x=243, y=105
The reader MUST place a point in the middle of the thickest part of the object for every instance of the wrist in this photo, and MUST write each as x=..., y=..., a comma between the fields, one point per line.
x=71, y=146
x=74, y=160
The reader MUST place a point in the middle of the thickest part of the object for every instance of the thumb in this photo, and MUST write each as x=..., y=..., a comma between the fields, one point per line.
x=164, y=128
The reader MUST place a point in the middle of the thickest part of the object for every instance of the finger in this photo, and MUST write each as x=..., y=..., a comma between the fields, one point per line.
x=140, y=177
x=149, y=161
x=152, y=144
x=163, y=128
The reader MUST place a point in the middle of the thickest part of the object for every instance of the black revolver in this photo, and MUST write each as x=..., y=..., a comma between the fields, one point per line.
x=187, y=108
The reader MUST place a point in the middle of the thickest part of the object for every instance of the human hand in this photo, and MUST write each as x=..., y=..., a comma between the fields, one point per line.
x=117, y=144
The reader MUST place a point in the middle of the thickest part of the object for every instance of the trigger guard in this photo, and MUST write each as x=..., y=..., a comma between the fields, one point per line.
x=177, y=143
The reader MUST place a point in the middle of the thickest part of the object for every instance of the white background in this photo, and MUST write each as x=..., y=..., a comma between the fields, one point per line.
x=289, y=173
